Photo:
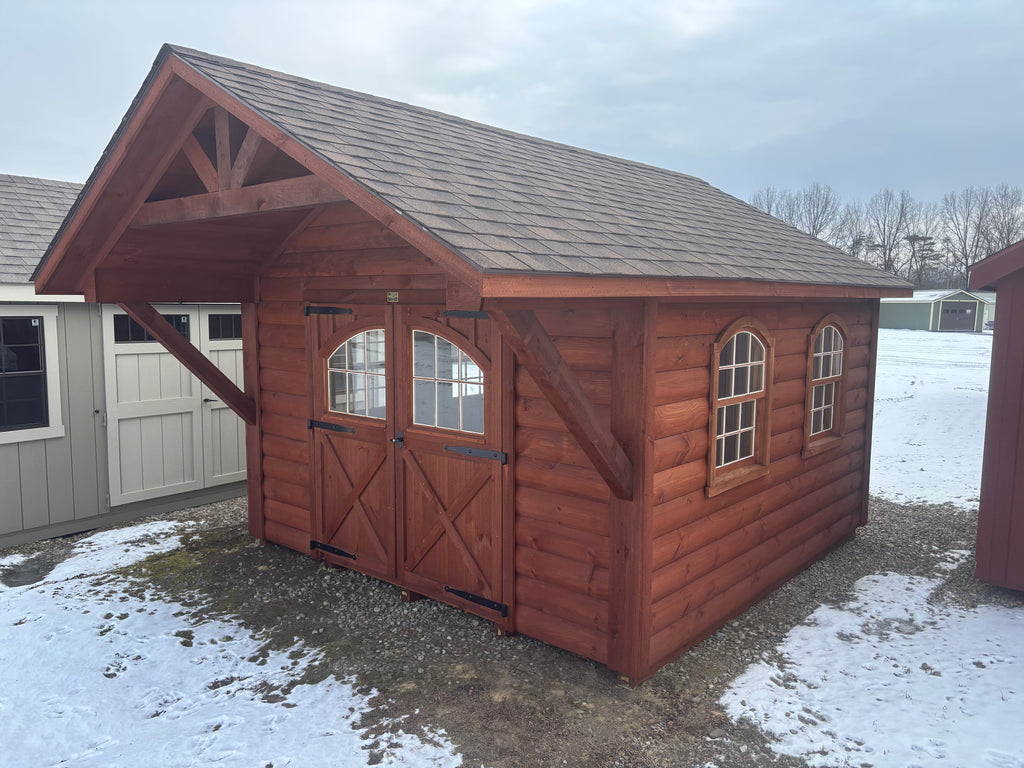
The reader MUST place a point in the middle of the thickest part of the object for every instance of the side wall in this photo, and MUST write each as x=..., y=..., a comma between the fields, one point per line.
x=343, y=249
x=563, y=541
x=57, y=486
x=1000, y=515
x=914, y=316
x=714, y=557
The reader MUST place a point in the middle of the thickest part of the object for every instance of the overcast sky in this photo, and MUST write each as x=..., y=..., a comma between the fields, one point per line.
x=924, y=95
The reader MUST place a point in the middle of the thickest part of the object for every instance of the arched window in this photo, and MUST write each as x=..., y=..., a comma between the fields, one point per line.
x=738, y=433
x=825, y=383
x=356, y=376
x=448, y=385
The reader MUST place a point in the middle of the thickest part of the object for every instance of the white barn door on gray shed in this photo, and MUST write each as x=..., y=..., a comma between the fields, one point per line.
x=166, y=433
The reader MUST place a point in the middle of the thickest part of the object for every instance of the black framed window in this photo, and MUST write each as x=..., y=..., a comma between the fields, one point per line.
x=23, y=401
x=224, y=327
x=127, y=331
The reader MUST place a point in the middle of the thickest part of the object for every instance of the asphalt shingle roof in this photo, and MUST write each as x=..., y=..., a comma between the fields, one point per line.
x=513, y=203
x=31, y=210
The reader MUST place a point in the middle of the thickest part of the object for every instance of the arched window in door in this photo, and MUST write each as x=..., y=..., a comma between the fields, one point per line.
x=448, y=385
x=356, y=376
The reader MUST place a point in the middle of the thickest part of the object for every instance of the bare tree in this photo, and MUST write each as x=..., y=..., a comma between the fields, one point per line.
x=887, y=215
x=850, y=234
x=966, y=216
x=925, y=257
x=767, y=199
x=1006, y=218
x=819, y=210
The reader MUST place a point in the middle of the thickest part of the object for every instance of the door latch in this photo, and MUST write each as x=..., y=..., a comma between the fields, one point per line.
x=398, y=440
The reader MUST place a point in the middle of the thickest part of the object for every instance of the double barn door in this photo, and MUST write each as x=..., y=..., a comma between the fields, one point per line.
x=407, y=464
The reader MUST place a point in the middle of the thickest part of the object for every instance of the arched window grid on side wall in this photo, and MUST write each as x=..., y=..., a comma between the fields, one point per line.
x=826, y=385
x=356, y=376
x=740, y=407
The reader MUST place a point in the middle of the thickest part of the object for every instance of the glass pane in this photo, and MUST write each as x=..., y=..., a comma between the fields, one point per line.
x=815, y=422
x=756, y=350
x=817, y=396
x=837, y=366
x=719, y=451
x=376, y=397
x=375, y=351
x=338, y=359
x=447, y=403
x=826, y=419
x=726, y=357
x=725, y=383
x=473, y=408
x=423, y=402
x=732, y=418
x=423, y=357
x=747, y=420
x=742, y=348
x=732, y=446
x=739, y=384
x=20, y=330
x=746, y=444
x=721, y=422
x=447, y=360
x=470, y=370
x=819, y=344
x=816, y=372
x=826, y=366
x=357, y=393
x=355, y=359
x=829, y=393
x=339, y=401
x=757, y=377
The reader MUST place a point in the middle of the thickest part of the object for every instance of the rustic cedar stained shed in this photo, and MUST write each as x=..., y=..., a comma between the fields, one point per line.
x=1000, y=546
x=596, y=402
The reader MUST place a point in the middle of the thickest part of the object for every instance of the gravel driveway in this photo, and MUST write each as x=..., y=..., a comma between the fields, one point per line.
x=513, y=701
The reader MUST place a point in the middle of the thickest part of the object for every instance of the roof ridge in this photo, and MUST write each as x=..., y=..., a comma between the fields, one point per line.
x=184, y=52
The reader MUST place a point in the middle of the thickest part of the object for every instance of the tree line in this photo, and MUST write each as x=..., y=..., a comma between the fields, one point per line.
x=931, y=244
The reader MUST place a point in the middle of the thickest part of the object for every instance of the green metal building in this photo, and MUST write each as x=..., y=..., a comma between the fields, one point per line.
x=942, y=310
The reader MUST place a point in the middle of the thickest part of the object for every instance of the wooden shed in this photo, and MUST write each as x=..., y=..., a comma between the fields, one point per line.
x=1000, y=548
x=939, y=310
x=596, y=402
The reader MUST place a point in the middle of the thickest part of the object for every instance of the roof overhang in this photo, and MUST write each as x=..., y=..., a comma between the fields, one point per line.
x=989, y=271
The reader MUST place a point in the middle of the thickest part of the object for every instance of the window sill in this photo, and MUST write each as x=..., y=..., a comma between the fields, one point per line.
x=820, y=445
x=32, y=433
x=729, y=479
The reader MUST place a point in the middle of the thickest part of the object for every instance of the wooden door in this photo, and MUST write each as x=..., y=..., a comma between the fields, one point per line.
x=449, y=470
x=353, y=456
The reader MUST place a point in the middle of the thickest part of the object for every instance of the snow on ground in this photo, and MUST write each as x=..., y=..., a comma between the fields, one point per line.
x=931, y=394
x=93, y=676
x=891, y=679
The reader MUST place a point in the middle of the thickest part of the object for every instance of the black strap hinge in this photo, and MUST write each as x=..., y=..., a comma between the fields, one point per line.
x=314, y=424
x=473, y=314
x=326, y=311
x=480, y=453
x=315, y=545
x=479, y=600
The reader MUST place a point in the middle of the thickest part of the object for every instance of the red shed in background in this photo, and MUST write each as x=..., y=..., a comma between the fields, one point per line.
x=1001, y=515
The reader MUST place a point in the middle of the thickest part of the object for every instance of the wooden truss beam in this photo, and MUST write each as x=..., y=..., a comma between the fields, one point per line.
x=194, y=360
x=287, y=194
x=537, y=351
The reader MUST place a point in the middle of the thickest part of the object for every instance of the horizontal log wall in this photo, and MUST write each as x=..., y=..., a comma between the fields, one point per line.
x=562, y=530
x=342, y=248
x=712, y=558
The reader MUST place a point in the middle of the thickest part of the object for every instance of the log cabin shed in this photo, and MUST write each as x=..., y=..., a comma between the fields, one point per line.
x=1000, y=544
x=596, y=402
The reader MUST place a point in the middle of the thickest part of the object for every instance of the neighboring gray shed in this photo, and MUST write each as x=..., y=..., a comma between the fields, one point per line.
x=940, y=310
x=55, y=467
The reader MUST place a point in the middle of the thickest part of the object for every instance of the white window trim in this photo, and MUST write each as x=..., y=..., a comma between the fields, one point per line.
x=51, y=356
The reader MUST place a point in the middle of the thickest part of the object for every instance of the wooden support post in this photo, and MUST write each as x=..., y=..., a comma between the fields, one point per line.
x=537, y=351
x=194, y=360
x=629, y=599
x=253, y=432
x=222, y=133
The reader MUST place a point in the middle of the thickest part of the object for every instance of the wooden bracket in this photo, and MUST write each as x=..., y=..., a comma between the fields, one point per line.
x=537, y=351
x=194, y=360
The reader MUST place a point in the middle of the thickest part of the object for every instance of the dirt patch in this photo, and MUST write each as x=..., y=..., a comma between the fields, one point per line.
x=514, y=701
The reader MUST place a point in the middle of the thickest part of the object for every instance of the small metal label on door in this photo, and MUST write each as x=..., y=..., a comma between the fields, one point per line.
x=392, y=297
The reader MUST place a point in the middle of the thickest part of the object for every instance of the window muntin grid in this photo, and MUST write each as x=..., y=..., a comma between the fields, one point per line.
x=448, y=386
x=826, y=367
x=741, y=366
x=356, y=376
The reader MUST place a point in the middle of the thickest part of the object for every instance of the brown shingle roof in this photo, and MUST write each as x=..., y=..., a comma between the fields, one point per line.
x=31, y=210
